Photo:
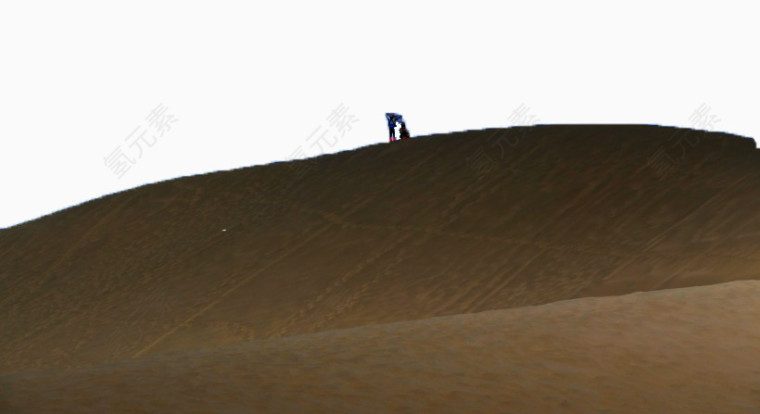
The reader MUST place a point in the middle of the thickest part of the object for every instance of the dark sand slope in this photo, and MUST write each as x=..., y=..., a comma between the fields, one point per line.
x=388, y=233
x=688, y=350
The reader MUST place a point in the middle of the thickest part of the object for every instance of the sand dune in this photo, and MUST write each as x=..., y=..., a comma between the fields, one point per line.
x=436, y=226
x=689, y=350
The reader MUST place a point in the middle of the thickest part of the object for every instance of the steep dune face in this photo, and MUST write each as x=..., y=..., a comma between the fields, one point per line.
x=434, y=226
x=687, y=350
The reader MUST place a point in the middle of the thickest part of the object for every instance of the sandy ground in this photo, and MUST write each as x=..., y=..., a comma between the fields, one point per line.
x=210, y=287
x=688, y=350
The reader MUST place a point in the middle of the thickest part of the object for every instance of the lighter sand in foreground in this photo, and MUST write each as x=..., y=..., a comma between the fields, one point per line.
x=688, y=350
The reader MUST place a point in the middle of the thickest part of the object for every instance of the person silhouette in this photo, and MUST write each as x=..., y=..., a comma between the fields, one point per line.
x=392, y=120
x=403, y=132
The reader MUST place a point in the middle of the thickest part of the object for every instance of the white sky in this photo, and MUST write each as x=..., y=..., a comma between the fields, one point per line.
x=248, y=82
